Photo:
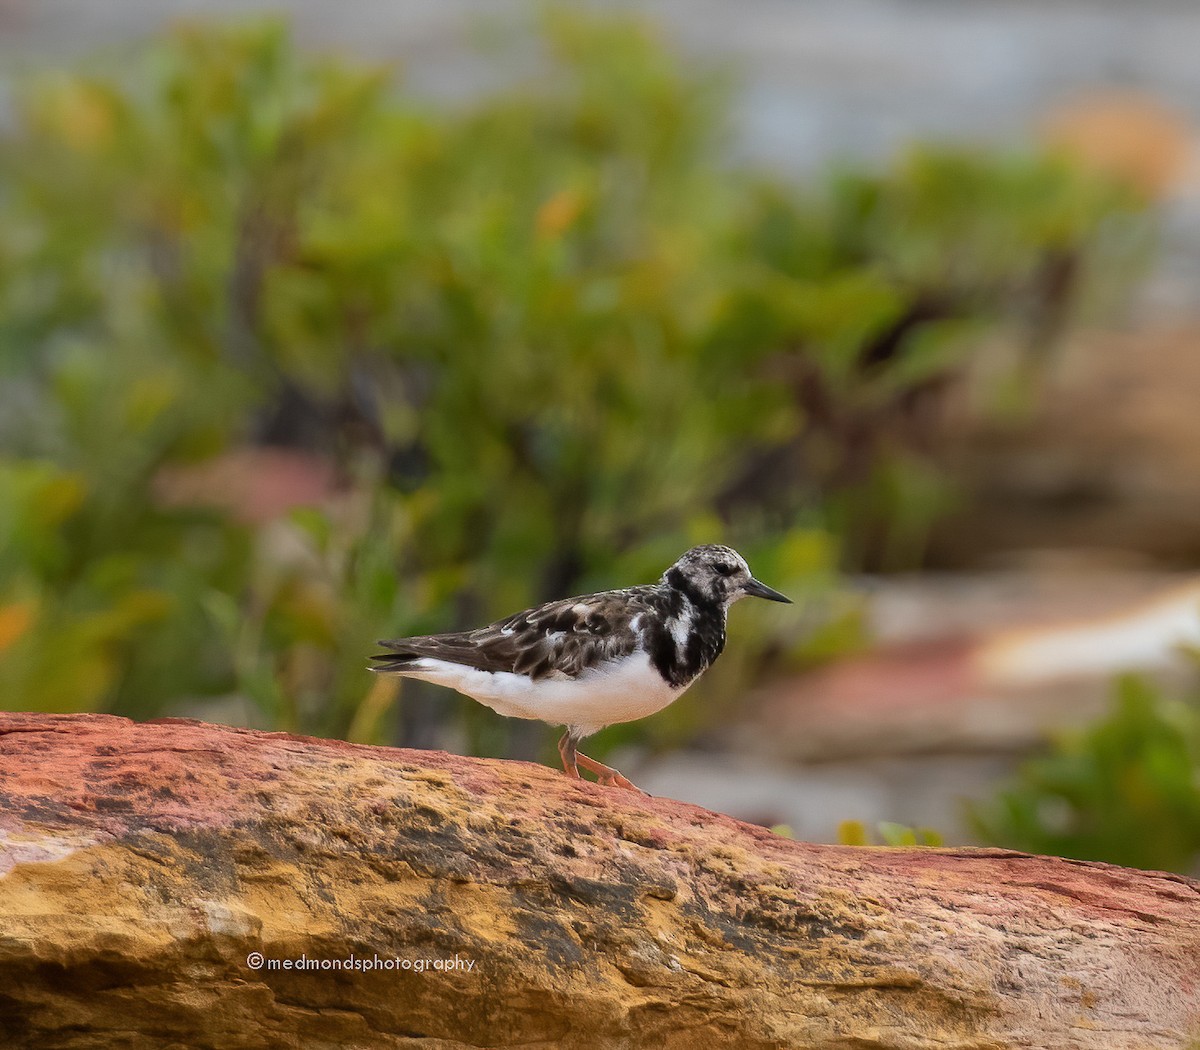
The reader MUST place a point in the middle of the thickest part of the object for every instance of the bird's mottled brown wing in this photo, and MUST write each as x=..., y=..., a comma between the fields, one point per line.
x=561, y=639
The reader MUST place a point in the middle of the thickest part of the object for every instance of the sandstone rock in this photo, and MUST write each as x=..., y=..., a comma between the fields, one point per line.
x=981, y=664
x=967, y=675
x=1107, y=461
x=144, y=863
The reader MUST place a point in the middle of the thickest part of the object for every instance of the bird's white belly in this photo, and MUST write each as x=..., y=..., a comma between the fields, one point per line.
x=621, y=691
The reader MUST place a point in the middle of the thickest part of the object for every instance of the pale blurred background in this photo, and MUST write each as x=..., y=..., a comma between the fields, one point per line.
x=900, y=298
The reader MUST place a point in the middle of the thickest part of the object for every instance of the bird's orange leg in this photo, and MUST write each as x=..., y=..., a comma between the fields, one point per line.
x=606, y=774
x=573, y=759
x=566, y=748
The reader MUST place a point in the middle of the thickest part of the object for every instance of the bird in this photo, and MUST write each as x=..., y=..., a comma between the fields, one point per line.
x=594, y=660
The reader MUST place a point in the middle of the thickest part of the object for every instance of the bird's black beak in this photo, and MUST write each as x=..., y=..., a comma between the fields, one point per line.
x=761, y=590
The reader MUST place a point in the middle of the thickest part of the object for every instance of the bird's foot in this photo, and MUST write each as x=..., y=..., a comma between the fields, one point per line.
x=613, y=780
x=608, y=776
x=616, y=780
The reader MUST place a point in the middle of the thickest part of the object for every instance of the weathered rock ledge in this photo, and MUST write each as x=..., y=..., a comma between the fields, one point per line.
x=141, y=864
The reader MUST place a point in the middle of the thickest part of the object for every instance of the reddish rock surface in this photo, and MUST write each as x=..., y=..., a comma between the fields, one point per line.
x=143, y=863
x=982, y=664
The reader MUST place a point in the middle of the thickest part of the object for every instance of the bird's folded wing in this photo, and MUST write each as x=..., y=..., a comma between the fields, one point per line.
x=562, y=639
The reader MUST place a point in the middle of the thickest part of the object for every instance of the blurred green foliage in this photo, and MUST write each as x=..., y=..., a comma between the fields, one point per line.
x=541, y=344
x=855, y=833
x=1125, y=790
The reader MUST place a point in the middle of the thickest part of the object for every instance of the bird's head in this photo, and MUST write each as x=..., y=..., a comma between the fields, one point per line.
x=717, y=574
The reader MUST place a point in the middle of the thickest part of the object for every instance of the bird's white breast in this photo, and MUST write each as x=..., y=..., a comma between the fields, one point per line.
x=619, y=691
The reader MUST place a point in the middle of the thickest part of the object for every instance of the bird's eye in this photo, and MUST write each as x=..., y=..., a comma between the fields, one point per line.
x=724, y=568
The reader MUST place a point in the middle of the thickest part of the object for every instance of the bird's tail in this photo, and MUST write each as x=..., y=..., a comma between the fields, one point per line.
x=396, y=662
x=389, y=664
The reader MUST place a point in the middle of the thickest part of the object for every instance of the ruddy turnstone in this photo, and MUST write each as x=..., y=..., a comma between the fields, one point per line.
x=591, y=661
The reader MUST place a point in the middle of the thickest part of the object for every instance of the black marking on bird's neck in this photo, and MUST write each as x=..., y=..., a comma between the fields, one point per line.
x=676, y=579
x=688, y=633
